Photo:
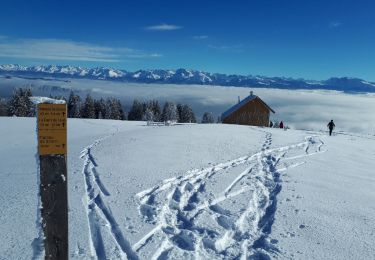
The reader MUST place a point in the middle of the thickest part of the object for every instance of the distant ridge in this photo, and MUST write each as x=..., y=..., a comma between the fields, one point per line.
x=184, y=76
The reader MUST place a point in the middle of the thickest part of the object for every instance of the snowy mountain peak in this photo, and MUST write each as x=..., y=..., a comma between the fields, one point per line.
x=187, y=76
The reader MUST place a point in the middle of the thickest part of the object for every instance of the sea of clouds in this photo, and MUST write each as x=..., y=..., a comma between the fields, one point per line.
x=299, y=109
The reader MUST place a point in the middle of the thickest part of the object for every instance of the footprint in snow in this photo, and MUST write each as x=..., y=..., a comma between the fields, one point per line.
x=274, y=241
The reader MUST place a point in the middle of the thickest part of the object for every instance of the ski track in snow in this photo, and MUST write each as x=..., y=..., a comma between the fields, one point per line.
x=102, y=223
x=179, y=207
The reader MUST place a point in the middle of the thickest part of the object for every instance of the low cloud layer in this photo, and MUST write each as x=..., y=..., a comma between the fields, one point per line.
x=299, y=109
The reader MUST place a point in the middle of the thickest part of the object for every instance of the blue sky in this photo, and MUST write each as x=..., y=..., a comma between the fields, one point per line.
x=308, y=39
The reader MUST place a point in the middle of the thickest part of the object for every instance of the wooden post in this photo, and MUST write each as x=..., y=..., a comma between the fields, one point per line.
x=52, y=147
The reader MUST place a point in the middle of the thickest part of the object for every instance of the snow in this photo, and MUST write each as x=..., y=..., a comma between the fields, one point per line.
x=208, y=191
x=83, y=72
x=113, y=74
x=368, y=83
x=155, y=76
x=46, y=100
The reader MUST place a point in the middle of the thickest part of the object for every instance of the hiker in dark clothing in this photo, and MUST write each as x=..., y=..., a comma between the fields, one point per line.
x=331, y=126
x=271, y=124
x=281, y=124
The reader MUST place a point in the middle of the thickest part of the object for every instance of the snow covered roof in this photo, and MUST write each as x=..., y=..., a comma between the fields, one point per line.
x=243, y=102
x=46, y=100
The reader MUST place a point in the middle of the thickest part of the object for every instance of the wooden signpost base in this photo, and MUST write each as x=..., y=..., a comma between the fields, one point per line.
x=54, y=196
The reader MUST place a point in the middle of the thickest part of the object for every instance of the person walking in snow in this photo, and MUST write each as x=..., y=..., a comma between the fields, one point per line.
x=331, y=126
x=281, y=124
x=271, y=124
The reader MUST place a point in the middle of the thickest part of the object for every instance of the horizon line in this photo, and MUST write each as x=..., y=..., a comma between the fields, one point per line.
x=227, y=74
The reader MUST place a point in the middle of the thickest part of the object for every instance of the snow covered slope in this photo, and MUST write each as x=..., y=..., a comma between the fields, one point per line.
x=196, y=191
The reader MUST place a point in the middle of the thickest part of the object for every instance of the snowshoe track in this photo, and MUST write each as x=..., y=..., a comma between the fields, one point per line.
x=179, y=207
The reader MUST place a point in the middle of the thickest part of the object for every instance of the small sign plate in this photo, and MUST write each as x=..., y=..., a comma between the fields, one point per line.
x=52, y=137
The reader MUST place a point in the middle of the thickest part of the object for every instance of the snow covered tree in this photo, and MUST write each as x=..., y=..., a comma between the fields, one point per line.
x=59, y=98
x=100, y=108
x=170, y=112
x=74, y=106
x=3, y=107
x=136, y=112
x=121, y=110
x=207, y=118
x=190, y=114
x=179, y=112
x=156, y=110
x=151, y=111
x=186, y=114
x=117, y=112
x=20, y=103
x=148, y=115
x=113, y=109
x=108, y=108
x=88, y=108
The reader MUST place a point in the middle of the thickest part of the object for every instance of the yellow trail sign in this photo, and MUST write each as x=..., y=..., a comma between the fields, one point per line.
x=52, y=128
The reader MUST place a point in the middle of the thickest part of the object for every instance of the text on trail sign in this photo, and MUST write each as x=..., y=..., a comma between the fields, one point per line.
x=52, y=129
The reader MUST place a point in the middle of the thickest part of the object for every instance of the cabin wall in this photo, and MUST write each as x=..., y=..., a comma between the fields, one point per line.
x=252, y=113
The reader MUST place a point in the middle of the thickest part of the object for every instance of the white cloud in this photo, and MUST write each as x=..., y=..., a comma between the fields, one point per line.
x=143, y=55
x=200, y=37
x=335, y=24
x=233, y=48
x=57, y=49
x=163, y=27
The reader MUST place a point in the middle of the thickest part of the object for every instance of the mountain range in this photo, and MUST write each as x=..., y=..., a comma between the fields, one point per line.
x=185, y=76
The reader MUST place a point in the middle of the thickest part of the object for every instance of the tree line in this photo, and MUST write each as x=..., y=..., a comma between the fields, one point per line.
x=20, y=105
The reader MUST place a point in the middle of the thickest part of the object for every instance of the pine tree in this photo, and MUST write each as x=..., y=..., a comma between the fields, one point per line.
x=3, y=107
x=187, y=114
x=13, y=103
x=20, y=103
x=181, y=119
x=113, y=109
x=192, y=116
x=100, y=108
x=88, y=109
x=74, y=106
x=59, y=98
x=121, y=110
x=148, y=115
x=136, y=112
x=156, y=110
x=117, y=111
x=170, y=112
x=108, y=109
x=207, y=118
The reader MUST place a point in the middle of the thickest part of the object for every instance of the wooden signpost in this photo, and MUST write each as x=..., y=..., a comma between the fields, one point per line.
x=52, y=148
